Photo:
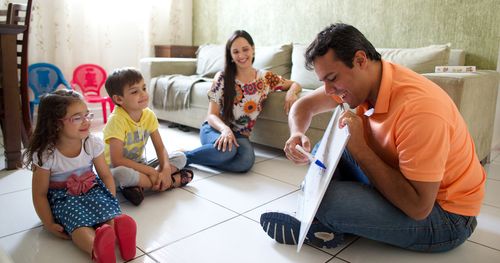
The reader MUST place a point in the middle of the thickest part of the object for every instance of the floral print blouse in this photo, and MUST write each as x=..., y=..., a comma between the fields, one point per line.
x=248, y=99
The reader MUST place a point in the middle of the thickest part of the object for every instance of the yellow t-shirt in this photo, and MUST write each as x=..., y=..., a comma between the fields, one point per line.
x=134, y=135
x=417, y=129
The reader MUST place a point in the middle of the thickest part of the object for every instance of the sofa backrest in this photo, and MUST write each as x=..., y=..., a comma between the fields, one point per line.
x=421, y=60
x=288, y=60
x=210, y=59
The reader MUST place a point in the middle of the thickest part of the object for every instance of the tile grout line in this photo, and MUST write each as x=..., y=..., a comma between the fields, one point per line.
x=475, y=242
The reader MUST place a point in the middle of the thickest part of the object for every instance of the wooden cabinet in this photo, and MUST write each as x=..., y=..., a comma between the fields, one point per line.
x=175, y=51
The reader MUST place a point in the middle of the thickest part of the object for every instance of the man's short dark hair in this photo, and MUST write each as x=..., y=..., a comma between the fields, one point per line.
x=116, y=82
x=345, y=40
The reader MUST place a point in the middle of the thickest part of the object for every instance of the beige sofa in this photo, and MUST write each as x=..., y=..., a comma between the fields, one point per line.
x=474, y=93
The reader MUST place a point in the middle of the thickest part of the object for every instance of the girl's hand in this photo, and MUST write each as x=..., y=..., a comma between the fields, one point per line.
x=57, y=230
x=226, y=140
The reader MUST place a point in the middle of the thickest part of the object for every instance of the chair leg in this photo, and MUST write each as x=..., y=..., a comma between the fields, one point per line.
x=111, y=105
x=103, y=104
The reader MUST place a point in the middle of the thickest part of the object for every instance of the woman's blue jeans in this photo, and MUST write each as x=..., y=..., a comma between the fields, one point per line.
x=239, y=159
x=352, y=205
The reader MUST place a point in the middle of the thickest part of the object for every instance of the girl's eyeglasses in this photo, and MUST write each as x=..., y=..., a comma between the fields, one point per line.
x=78, y=119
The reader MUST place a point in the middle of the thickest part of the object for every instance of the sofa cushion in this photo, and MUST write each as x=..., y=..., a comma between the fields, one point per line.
x=306, y=78
x=420, y=60
x=210, y=60
x=273, y=58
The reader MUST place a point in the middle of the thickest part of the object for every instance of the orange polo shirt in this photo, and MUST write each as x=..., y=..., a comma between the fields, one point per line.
x=417, y=128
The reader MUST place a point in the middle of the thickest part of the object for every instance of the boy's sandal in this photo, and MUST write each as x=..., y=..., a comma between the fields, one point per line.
x=134, y=194
x=186, y=177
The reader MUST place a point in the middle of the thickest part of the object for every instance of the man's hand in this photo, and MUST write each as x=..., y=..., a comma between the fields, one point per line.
x=226, y=140
x=57, y=230
x=356, y=141
x=292, y=153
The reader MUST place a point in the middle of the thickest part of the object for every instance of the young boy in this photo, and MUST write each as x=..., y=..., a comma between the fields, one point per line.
x=126, y=134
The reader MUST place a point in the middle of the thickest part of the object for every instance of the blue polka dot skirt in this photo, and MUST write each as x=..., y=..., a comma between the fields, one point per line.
x=96, y=206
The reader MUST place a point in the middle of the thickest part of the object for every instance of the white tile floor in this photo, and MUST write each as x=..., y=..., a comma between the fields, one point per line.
x=215, y=219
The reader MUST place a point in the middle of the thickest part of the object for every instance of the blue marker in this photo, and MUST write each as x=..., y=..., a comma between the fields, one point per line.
x=311, y=158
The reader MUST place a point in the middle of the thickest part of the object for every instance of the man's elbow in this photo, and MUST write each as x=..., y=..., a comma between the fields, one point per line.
x=419, y=213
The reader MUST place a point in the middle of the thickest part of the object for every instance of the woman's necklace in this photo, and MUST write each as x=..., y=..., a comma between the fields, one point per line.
x=247, y=76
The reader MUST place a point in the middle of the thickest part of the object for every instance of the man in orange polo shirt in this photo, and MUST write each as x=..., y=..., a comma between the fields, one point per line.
x=410, y=175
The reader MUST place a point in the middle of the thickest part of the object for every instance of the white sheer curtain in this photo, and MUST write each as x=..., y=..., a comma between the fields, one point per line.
x=111, y=33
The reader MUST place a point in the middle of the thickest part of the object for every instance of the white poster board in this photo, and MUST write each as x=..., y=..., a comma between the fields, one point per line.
x=317, y=180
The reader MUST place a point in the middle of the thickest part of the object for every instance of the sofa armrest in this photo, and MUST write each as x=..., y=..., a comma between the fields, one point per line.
x=154, y=67
x=475, y=95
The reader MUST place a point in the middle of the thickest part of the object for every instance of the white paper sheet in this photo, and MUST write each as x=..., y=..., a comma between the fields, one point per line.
x=317, y=180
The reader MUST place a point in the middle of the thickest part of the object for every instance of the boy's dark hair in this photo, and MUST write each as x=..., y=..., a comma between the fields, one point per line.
x=345, y=40
x=53, y=107
x=230, y=75
x=119, y=78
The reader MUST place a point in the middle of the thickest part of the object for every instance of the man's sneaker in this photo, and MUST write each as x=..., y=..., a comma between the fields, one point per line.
x=134, y=194
x=285, y=230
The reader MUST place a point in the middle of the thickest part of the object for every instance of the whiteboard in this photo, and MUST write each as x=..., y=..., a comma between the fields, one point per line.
x=316, y=181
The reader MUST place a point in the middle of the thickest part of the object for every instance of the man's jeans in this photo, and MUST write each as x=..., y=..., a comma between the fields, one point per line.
x=239, y=159
x=352, y=205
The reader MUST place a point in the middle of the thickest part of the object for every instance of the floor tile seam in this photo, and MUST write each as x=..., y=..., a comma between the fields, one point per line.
x=144, y=254
x=15, y=191
x=493, y=179
x=487, y=204
x=213, y=202
x=20, y=231
x=266, y=203
x=342, y=249
x=343, y=260
x=491, y=205
x=190, y=235
x=275, y=179
x=483, y=245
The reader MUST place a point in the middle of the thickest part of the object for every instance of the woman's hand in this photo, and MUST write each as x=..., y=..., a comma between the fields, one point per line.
x=57, y=230
x=292, y=95
x=226, y=140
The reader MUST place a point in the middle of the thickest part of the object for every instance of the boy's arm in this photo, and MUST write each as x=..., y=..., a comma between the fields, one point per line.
x=104, y=173
x=117, y=159
x=165, y=180
x=39, y=189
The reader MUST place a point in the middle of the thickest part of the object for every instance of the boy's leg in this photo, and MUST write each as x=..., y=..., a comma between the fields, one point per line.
x=244, y=158
x=131, y=183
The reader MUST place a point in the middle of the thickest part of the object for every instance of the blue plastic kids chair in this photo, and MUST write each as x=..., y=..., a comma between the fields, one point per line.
x=44, y=78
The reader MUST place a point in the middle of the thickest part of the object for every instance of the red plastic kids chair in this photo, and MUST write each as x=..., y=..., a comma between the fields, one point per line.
x=90, y=79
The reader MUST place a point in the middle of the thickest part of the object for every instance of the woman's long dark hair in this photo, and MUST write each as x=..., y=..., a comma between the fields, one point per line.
x=53, y=107
x=230, y=75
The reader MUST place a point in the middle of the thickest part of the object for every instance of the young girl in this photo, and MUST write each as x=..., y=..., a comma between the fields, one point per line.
x=70, y=199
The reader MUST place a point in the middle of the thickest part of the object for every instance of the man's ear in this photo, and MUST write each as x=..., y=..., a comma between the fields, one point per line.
x=360, y=58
